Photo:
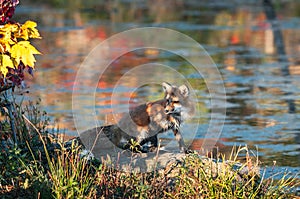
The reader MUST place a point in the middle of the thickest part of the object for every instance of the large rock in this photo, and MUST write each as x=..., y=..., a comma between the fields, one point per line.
x=104, y=150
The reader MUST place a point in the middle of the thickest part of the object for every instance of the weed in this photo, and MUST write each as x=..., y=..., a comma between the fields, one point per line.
x=35, y=163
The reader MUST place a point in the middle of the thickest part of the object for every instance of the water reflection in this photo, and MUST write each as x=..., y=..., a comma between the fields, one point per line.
x=262, y=104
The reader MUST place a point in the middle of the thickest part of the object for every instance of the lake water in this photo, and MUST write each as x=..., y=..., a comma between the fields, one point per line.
x=262, y=87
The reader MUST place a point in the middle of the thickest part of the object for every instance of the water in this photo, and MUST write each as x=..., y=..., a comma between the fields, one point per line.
x=262, y=88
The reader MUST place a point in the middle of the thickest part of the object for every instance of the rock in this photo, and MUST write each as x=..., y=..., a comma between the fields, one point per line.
x=104, y=150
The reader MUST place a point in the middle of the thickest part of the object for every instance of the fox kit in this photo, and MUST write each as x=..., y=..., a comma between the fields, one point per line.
x=144, y=122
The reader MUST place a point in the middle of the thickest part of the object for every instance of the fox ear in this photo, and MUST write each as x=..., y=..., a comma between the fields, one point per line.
x=184, y=90
x=167, y=87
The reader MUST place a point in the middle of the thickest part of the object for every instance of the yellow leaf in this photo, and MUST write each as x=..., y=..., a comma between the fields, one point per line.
x=23, y=34
x=3, y=70
x=16, y=53
x=28, y=59
x=30, y=47
x=30, y=24
x=6, y=33
x=13, y=27
x=29, y=30
x=5, y=62
x=5, y=39
x=15, y=47
x=24, y=51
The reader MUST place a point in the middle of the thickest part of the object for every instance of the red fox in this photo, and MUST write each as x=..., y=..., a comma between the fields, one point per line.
x=144, y=122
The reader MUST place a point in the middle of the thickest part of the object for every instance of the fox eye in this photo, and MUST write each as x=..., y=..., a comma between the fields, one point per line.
x=169, y=101
x=176, y=101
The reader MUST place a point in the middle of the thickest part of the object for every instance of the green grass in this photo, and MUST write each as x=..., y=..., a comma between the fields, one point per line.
x=34, y=163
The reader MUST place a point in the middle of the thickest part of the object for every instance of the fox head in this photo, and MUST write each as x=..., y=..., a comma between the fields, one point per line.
x=176, y=98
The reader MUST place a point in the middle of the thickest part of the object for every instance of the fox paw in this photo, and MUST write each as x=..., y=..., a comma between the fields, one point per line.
x=146, y=149
x=186, y=150
x=152, y=149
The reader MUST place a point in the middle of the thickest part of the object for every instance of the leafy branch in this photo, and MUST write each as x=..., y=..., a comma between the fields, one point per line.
x=16, y=51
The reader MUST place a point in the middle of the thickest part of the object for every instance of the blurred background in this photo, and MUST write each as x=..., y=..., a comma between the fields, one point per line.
x=255, y=44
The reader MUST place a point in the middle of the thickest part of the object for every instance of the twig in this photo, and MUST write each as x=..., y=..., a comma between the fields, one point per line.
x=12, y=122
x=5, y=88
x=27, y=120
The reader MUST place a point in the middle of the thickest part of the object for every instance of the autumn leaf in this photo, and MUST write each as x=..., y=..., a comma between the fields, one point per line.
x=3, y=71
x=6, y=32
x=5, y=62
x=5, y=39
x=15, y=48
x=29, y=30
x=16, y=52
x=24, y=51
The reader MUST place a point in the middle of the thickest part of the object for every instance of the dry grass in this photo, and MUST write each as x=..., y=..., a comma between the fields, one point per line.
x=44, y=167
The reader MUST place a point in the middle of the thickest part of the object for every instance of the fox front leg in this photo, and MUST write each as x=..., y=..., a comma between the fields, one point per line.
x=153, y=141
x=141, y=139
x=180, y=141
